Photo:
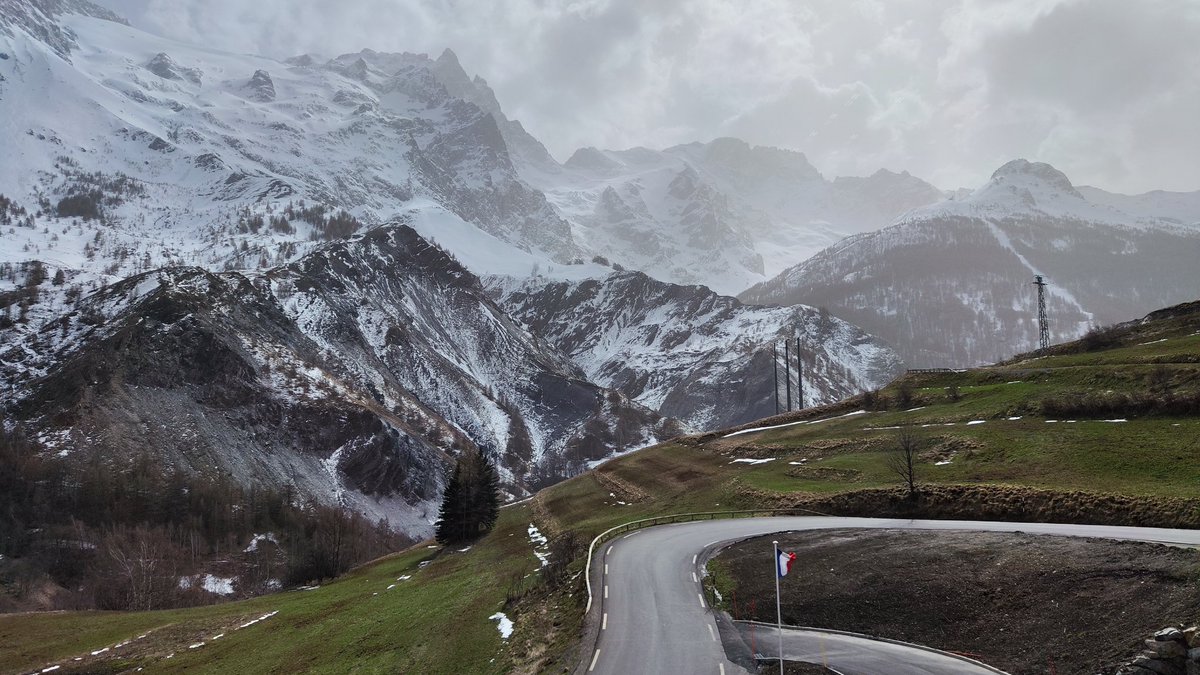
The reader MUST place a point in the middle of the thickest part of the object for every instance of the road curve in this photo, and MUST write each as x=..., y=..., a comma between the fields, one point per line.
x=654, y=619
x=855, y=654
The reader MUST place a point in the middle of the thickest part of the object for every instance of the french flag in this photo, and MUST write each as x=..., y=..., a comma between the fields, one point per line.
x=784, y=563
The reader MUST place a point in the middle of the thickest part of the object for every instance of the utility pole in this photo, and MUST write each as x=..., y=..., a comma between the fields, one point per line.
x=787, y=372
x=778, y=609
x=1043, y=322
x=799, y=378
x=775, y=362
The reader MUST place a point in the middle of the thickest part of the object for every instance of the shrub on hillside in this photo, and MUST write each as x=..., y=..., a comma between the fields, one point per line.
x=1092, y=404
x=85, y=205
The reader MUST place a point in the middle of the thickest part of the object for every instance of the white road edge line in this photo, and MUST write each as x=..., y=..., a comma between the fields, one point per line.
x=605, y=591
x=594, y=657
x=609, y=551
x=604, y=623
x=694, y=579
x=606, y=568
x=722, y=668
x=712, y=632
x=694, y=558
x=631, y=534
x=698, y=595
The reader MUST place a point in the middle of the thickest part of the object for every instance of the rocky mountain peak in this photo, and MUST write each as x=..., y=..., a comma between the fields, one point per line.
x=165, y=67
x=1025, y=172
x=449, y=71
x=260, y=87
x=39, y=18
x=742, y=157
x=302, y=61
x=449, y=59
x=591, y=159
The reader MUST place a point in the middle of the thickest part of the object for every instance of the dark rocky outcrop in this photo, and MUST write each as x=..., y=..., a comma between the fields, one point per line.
x=260, y=87
x=353, y=374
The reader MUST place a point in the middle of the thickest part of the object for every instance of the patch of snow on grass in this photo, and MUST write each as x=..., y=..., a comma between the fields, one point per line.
x=504, y=624
x=792, y=424
x=746, y=460
x=217, y=585
x=540, y=543
x=261, y=618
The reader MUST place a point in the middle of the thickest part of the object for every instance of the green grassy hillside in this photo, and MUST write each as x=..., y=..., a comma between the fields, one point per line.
x=1037, y=430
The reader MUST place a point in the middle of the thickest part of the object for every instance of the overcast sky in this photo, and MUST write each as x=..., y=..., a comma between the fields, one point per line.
x=1106, y=90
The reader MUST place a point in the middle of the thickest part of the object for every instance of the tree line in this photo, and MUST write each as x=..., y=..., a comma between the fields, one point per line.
x=112, y=533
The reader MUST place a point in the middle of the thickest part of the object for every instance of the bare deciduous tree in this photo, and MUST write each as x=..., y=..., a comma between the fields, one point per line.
x=902, y=460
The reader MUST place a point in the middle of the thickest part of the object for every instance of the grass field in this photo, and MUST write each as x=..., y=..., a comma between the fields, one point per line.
x=433, y=622
x=982, y=427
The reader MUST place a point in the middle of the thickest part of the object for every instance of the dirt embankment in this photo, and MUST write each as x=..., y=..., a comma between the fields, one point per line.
x=992, y=502
x=1023, y=603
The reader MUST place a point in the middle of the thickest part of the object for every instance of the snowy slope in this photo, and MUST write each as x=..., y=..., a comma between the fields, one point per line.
x=690, y=353
x=181, y=144
x=352, y=373
x=950, y=284
x=723, y=214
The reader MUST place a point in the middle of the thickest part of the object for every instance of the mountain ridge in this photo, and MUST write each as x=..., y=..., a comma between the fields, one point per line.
x=949, y=284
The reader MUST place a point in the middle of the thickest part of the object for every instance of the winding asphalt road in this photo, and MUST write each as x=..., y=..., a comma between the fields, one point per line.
x=654, y=617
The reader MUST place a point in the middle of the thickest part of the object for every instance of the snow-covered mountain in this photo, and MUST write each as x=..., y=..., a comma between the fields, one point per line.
x=951, y=284
x=176, y=150
x=240, y=265
x=692, y=354
x=351, y=374
x=723, y=214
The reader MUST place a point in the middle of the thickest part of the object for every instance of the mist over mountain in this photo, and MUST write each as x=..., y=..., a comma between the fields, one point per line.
x=268, y=270
x=723, y=214
x=338, y=273
x=950, y=284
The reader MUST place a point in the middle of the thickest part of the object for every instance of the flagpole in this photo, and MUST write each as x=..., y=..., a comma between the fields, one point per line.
x=778, y=610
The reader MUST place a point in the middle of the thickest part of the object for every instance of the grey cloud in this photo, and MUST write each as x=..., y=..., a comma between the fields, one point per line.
x=947, y=89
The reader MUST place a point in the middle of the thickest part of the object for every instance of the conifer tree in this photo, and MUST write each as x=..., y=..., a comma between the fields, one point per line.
x=471, y=503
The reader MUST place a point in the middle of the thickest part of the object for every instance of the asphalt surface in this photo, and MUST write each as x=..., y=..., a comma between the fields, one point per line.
x=654, y=618
x=855, y=655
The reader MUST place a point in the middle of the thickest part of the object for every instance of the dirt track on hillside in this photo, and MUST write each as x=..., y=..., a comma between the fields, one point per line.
x=1023, y=603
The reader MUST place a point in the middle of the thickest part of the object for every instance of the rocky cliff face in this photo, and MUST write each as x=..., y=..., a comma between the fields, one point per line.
x=353, y=374
x=194, y=142
x=690, y=353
